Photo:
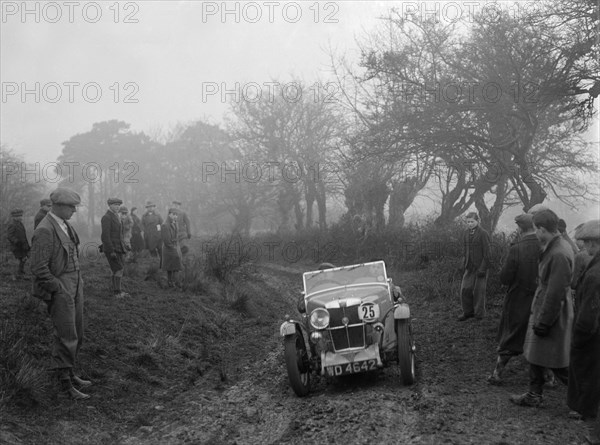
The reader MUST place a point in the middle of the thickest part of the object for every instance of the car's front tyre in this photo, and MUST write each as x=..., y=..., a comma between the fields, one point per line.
x=297, y=363
x=406, y=355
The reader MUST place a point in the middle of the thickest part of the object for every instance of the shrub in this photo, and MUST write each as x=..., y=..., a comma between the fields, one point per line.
x=224, y=255
x=22, y=381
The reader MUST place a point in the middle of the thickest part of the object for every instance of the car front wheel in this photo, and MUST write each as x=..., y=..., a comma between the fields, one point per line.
x=406, y=355
x=297, y=363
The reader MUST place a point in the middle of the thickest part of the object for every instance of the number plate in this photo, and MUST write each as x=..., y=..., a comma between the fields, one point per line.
x=351, y=368
x=368, y=311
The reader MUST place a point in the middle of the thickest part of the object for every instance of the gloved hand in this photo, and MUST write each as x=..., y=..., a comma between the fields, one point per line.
x=541, y=330
x=481, y=273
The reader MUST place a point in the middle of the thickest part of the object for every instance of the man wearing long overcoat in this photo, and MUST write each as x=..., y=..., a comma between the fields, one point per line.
x=171, y=253
x=184, y=229
x=519, y=273
x=151, y=224
x=57, y=281
x=583, y=395
x=476, y=242
x=113, y=245
x=17, y=238
x=548, y=337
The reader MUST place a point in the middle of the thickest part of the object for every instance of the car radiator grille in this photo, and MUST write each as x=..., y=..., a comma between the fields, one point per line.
x=350, y=336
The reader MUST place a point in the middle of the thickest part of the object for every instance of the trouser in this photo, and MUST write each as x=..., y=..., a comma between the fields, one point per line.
x=536, y=377
x=66, y=312
x=472, y=294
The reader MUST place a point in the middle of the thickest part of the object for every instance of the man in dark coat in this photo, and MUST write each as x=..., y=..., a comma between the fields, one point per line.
x=171, y=252
x=45, y=205
x=476, y=243
x=184, y=229
x=58, y=281
x=17, y=238
x=137, y=241
x=583, y=395
x=113, y=244
x=519, y=273
x=548, y=337
x=151, y=224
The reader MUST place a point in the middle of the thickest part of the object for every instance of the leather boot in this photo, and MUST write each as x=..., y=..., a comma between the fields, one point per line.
x=67, y=389
x=496, y=377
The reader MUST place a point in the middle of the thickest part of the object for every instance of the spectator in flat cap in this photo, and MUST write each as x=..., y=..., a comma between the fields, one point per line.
x=58, y=281
x=548, y=336
x=151, y=225
x=562, y=229
x=45, y=205
x=537, y=208
x=113, y=244
x=171, y=253
x=17, y=239
x=137, y=240
x=519, y=273
x=583, y=395
x=184, y=229
x=476, y=243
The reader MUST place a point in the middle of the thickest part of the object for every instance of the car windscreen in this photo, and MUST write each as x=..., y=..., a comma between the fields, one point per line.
x=345, y=276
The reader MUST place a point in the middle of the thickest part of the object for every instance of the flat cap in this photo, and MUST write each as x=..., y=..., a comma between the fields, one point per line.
x=65, y=196
x=16, y=212
x=589, y=230
x=174, y=210
x=133, y=209
x=177, y=203
x=45, y=202
x=150, y=204
x=525, y=219
x=112, y=201
x=537, y=208
x=562, y=225
x=123, y=209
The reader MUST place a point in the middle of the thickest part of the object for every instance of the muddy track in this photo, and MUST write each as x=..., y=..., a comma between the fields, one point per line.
x=451, y=403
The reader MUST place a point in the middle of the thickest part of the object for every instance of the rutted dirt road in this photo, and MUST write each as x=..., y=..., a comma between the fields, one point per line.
x=451, y=402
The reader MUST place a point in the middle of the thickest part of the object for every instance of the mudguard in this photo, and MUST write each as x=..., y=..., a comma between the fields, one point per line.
x=402, y=311
x=287, y=328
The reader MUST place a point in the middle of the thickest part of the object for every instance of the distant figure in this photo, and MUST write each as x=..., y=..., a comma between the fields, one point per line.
x=582, y=259
x=476, y=243
x=183, y=227
x=127, y=222
x=548, y=336
x=45, y=205
x=58, y=281
x=113, y=244
x=583, y=395
x=151, y=224
x=137, y=241
x=171, y=253
x=519, y=273
x=19, y=245
x=562, y=229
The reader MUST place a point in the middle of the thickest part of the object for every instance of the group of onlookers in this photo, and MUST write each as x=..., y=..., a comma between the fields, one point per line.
x=551, y=312
x=55, y=265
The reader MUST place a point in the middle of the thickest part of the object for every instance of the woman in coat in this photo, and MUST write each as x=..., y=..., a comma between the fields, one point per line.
x=583, y=395
x=171, y=252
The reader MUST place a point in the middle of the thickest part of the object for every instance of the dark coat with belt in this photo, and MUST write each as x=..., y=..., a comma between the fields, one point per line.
x=150, y=224
x=583, y=394
x=112, y=233
x=17, y=238
x=552, y=306
x=477, y=250
x=171, y=252
x=51, y=251
x=519, y=273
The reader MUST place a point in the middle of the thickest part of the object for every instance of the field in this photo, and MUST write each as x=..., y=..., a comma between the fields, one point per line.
x=205, y=365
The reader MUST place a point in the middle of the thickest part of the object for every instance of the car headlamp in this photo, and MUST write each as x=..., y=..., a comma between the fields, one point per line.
x=319, y=318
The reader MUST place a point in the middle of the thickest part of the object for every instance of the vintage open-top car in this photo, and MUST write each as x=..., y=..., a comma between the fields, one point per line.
x=353, y=320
